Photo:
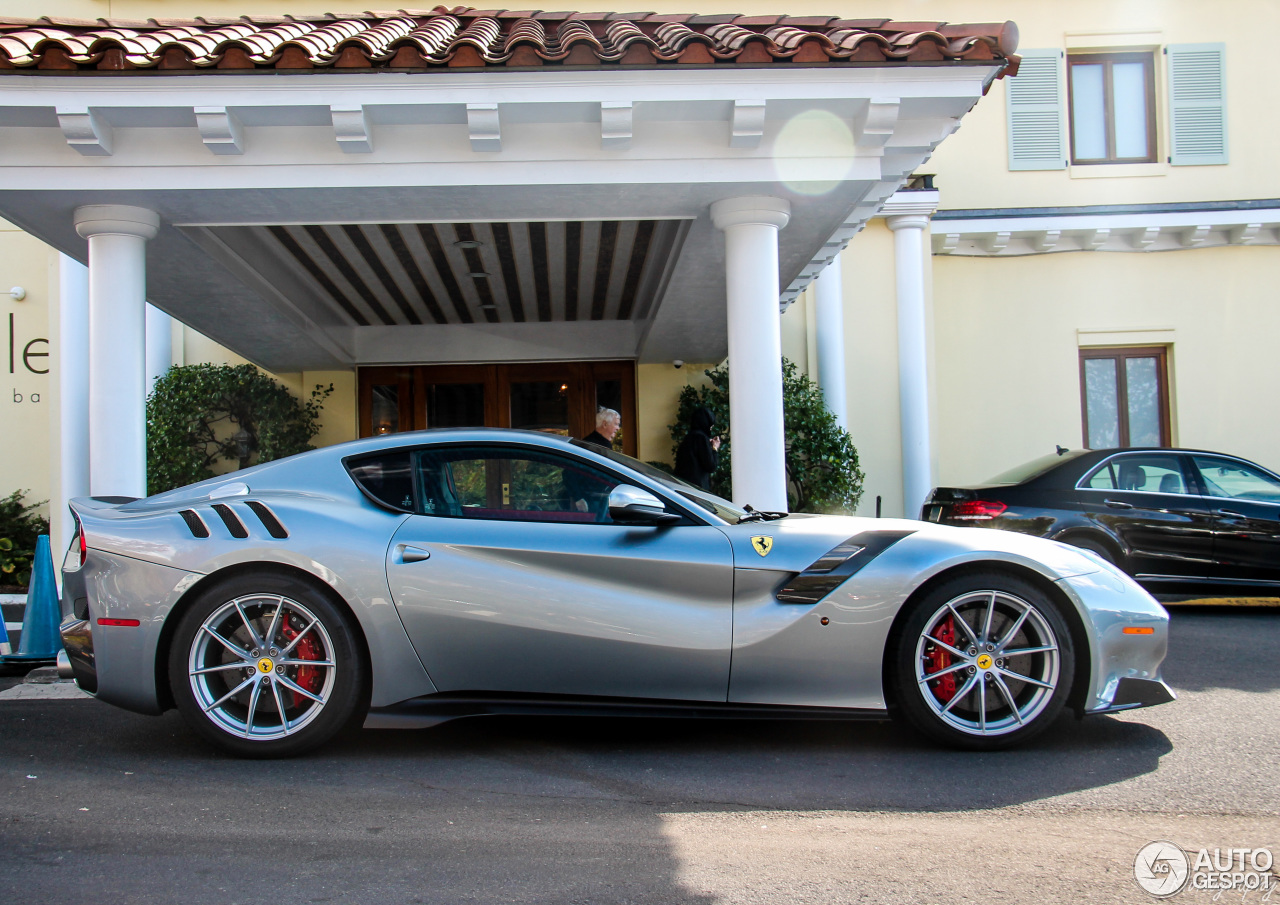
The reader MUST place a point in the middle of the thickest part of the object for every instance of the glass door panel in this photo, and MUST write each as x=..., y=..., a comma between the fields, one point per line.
x=541, y=406
x=386, y=409
x=386, y=401
x=455, y=404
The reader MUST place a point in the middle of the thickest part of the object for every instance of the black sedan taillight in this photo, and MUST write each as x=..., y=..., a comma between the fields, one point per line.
x=976, y=510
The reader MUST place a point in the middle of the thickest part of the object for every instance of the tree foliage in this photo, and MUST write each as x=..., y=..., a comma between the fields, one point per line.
x=823, y=474
x=20, y=525
x=200, y=414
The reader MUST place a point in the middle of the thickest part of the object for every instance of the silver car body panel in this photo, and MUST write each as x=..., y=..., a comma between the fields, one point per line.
x=117, y=588
x=683, y=613
x=568, y=608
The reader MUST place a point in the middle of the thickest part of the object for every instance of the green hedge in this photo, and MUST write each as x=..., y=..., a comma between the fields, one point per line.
x=195, y=411
x=823, y=474
x=19, y=528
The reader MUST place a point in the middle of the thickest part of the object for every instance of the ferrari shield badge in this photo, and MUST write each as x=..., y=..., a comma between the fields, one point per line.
x=762, y=544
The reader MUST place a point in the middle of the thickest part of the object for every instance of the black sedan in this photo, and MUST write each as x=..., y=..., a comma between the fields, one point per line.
x=1183, y=522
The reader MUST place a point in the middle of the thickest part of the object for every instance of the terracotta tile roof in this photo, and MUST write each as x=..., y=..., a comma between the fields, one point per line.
x=465, y=37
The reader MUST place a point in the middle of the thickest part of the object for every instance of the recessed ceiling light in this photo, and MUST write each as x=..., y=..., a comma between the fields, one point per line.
x=489, y=307
x=478, y=274
x=468, y=243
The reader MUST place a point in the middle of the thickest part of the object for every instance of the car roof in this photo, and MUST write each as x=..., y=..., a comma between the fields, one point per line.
x=1068, y=472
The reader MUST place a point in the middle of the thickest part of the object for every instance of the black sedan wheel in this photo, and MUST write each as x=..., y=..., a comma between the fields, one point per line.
x=983, y=662
x=266, y=666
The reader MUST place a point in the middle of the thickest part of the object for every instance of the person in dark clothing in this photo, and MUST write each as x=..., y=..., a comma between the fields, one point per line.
x=699, y=451
x=607, y=423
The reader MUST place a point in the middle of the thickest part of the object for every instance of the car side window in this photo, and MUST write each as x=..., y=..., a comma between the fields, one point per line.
x=1236, y=480
x=512, y=484
x=1152, y=473
x=387, y=477
x=1103, y=478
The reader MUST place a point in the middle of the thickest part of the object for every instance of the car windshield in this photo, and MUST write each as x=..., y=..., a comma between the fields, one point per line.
x=717, y=506
x=1036, y=467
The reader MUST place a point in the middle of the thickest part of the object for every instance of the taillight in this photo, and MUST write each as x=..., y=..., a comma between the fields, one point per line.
x=977, y=510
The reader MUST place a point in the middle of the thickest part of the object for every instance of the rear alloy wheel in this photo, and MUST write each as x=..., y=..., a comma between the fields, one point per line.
x=983, y=662
x=266, y=667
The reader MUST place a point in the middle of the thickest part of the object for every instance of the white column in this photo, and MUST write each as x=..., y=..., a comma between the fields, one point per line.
x=73, y=393
x=751, y=227
x=908, y=218
x=117, y=237
x=829, y=301
x=159, y=345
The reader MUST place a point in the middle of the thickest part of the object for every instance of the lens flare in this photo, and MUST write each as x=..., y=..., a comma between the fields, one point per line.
x=813, y=152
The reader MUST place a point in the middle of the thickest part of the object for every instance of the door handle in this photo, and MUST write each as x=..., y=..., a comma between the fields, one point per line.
x=1117, y=504
x=1227, y=513
x=410, y=554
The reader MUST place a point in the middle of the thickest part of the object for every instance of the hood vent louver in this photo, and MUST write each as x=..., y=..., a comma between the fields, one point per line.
x=231, y=520
x=195, y=523
x=268, y=519
x=837, y=565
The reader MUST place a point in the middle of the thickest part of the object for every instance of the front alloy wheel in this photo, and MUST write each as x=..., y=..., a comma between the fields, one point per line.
x=984, y=662
x=267, y=667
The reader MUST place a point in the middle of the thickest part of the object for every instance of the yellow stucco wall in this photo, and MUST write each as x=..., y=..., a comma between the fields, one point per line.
x=339, y=421
x=26, y=397
x=1009, y=376
x=658, y=389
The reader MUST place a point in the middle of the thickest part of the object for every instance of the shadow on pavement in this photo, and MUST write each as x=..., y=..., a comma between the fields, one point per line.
x=126, y=808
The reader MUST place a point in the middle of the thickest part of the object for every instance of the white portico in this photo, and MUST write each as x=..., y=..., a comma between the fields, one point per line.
x=415, y=204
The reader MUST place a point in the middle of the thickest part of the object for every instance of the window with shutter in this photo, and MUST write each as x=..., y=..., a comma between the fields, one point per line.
x=1197, y=104
x=1112, y=101
x=1035, y=112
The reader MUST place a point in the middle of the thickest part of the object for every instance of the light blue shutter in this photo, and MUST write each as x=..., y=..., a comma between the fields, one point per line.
x=1197, y=104
x=1036, y=108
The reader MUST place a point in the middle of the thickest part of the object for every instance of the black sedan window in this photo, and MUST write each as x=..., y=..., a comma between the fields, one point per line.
x=1229, y=478
x=1156, y=473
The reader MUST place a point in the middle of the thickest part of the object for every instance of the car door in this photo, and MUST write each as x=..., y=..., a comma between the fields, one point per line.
x=1245, y=502
x=511, y=578
x=1148, y=501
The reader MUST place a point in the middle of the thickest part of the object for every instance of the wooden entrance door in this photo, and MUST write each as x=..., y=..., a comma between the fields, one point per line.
x=557, y=397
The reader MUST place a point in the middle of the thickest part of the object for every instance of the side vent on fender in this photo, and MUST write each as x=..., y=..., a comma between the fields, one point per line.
x=195, y=523
x=835, y=566
x=268, y=519
x=231, y=520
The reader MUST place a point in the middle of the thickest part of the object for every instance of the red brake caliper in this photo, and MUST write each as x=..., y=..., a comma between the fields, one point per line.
x=944, y=688
x=308, y=677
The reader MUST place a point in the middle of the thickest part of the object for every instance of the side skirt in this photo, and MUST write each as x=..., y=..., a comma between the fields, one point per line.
x=430, y=710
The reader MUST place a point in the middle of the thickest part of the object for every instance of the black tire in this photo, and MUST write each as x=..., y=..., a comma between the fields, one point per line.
x=1093, y=546
x=972, y=700
x=284, y=705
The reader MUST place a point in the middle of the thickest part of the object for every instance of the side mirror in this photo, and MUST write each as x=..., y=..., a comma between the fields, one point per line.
x=630, y=505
